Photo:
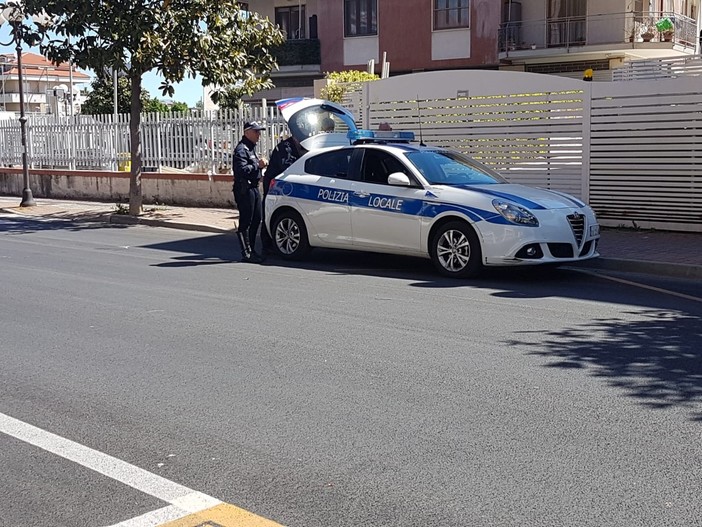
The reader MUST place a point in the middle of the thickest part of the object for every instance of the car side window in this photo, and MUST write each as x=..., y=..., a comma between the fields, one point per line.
x=330, y=164
x=378, y=165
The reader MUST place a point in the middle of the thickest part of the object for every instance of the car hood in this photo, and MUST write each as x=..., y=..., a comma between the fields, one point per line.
x=530, y=197
x=303, y=115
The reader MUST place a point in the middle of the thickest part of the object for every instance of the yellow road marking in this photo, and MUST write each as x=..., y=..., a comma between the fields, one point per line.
x=224, y=515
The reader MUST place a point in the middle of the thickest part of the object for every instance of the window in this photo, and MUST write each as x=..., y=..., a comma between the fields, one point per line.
x=291, y=21
x=360, y=18
x=330, y=164
x=378, y=165
x=566, y=22
x=450, y=14
x=443, y=167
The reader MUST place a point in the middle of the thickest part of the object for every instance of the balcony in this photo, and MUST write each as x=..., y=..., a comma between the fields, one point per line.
x=298, y=52
x=598, y=33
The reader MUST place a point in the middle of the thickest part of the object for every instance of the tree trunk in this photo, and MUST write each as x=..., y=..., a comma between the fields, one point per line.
x=135, y=197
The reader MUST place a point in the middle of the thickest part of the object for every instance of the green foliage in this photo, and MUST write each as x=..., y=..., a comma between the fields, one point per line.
x=179, y=107
x=176, y=38
x=100, y=99
x=341, y=82
x=154, y=106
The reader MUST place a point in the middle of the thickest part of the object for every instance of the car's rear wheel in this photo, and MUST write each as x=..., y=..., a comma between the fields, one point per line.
x=290, y=235
x=455, y=250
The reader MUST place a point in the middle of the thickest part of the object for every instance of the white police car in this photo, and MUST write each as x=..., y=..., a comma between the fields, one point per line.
x=379, y=192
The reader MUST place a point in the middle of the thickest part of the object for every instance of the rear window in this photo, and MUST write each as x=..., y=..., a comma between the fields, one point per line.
x=330, y=164
x=318, y=120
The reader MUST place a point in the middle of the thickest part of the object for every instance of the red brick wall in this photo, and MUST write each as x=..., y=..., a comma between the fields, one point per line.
x=404, y=31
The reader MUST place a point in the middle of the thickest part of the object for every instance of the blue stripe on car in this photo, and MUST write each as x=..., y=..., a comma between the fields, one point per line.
x=393, y=204
x=516, y=199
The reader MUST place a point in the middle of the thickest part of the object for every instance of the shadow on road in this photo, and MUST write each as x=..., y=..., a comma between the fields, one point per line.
x=657, y=360
x=54, y=222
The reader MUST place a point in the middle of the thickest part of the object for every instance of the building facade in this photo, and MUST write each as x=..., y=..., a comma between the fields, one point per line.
x=48, y=88
x=394, y=37
x=565, y=37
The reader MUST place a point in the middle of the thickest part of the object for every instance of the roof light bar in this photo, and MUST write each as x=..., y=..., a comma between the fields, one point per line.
x=379, y=136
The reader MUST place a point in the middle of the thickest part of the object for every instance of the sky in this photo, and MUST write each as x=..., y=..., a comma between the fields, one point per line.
x=189, y=91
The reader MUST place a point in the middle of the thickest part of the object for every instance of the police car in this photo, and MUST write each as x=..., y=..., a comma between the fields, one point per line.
x=382, y=192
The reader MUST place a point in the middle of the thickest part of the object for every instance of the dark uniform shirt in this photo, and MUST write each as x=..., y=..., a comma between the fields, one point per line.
x=245, y=165
x=284, y=154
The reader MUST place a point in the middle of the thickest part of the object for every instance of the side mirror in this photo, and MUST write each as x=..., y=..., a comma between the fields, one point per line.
x=399, y=179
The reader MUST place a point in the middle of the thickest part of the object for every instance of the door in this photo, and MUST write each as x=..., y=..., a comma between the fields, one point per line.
x=385, y=217
x=322, y=194
x=566, y=22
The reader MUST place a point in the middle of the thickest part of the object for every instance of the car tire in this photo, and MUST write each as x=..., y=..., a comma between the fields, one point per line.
x=455, y=250
x=290, y=235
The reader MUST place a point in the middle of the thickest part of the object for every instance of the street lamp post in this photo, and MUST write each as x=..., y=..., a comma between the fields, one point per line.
x=13, y=13
x=27, y=198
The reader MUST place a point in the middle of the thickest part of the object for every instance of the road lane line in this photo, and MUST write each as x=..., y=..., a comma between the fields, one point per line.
x=642, y=286
x=183, y=502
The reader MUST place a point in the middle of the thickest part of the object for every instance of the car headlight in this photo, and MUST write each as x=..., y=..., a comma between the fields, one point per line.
x=515, y=214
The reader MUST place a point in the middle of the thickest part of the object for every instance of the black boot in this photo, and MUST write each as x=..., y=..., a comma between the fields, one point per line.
x=245, y=248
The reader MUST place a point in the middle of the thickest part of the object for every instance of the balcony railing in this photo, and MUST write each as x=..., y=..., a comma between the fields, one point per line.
x=592, y=30
x=298, y=52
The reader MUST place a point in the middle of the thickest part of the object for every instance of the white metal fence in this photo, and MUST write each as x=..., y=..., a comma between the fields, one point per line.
x=188, y=142
x=633, y=150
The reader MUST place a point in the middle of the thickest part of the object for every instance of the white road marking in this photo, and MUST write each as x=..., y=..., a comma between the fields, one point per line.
x=183, y=501
x=642, y=286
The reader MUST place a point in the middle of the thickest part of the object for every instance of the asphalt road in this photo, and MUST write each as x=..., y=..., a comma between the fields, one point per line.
x=350, y=390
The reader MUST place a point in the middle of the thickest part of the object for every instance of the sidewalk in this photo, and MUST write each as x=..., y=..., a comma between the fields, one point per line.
x=674, y=254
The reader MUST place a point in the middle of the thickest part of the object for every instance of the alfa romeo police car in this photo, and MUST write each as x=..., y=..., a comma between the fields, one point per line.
x=382, y=192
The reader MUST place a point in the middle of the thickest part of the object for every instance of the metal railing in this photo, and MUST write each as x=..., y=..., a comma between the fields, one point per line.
x=199, y=142
x=610, y=28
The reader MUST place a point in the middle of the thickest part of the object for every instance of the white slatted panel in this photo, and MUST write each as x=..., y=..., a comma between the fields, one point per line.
x=646, y=153
x=507, y=120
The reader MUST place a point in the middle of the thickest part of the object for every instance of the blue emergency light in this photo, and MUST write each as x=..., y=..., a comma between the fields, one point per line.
x=379, y=136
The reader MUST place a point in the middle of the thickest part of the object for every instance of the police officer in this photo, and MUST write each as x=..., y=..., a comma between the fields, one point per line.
x=247, y=175
x=284, y=154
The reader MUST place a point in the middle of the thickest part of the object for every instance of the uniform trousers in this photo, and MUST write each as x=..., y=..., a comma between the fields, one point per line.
x=248, y=201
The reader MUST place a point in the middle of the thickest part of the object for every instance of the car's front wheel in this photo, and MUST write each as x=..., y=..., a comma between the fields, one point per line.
x=455, y=250
x=290, y=235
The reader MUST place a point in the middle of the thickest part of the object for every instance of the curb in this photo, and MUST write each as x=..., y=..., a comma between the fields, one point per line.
x=671, y=270
x=123, y=219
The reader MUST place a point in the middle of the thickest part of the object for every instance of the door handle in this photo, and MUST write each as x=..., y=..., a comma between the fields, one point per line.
x=361, y=194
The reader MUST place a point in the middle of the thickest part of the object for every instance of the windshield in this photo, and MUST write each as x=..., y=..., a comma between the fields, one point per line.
x=443, y=167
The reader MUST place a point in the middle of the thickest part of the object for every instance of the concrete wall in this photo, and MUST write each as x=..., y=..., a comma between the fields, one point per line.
x=196, y=190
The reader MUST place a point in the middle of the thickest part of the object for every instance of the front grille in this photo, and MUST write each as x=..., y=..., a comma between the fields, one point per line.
x=577, y=225
x=586, y=248
x=561, y=250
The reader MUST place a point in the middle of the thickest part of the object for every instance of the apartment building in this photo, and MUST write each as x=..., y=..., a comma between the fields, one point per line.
x=405, y=36
x=562, y=37
x=47, y=87
x=565, y=37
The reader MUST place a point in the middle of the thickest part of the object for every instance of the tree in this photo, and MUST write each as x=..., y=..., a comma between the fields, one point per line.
x=179, y=107
x=177, y=38
x=341, y=82
x=100, y=99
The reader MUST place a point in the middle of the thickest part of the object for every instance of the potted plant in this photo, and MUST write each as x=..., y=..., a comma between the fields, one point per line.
x=647, y=34
x=666, y=27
